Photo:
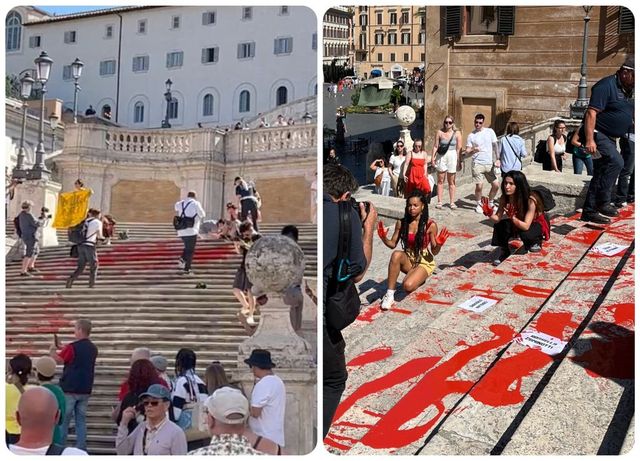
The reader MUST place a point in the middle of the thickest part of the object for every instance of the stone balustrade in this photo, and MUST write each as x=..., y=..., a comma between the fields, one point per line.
x=114, y=143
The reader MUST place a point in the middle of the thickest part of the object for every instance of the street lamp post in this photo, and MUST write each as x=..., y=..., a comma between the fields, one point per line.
x=43, y=67
x=76, y=69
x=167, y=96
x=26, y=85
x=578, y=108
x=53, y=123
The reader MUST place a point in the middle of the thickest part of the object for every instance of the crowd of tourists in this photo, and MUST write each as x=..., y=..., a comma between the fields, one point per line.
x=156, y=412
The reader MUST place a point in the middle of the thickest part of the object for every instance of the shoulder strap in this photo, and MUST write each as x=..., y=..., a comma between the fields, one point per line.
x=19, y=386
x=55, y=449
x=344, y=241
x=255, y=445
x=451, y=139
x=512, y=149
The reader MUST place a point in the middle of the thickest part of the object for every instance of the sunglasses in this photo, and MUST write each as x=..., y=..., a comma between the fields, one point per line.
x=479, y=122
x=153, y=403
x=448, y=122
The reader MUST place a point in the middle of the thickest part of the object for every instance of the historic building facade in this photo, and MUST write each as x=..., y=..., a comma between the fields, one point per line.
x=226, y=63
x=389, y=38
x=337, y=24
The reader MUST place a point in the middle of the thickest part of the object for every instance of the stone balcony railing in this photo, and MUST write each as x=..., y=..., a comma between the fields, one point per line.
x=107, y=143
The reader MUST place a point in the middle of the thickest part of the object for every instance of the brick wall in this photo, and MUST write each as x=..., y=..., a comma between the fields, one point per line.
x=144, y=201
x=285, y=200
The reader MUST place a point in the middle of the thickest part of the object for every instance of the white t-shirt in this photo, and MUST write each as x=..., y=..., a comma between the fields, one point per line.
x=396, y=162
x=68, y=451
x=385, y=174
x=483, y=140
x=192, y=209
x=94, y=229
x=270, y=395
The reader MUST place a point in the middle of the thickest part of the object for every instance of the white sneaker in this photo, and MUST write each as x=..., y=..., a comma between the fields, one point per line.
x=479, y=209
x=251, y=321
x=387, y=301
x=180, y=263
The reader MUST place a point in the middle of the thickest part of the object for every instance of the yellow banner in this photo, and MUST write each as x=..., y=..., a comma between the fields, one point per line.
x=71, y=209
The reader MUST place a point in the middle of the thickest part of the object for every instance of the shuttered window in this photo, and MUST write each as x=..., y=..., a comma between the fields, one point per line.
x=626, y=24
x=108, y=67
x=210, y=55
x=208, y=18
x=452, y=21
x=140, y=63
x=246, y=50
x=506, y=20
x=283, y=45
x=174, y=59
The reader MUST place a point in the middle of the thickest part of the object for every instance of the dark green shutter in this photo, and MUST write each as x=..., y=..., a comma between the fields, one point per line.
x=452, y=21
x=626, y=24
x=506, y=20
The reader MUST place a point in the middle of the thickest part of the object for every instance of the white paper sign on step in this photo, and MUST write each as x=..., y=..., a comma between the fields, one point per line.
x=609, y=249
x=478, y=304
x=541, y=341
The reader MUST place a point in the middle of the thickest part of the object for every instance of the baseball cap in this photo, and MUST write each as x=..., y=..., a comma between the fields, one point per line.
x=227, y=402
x=629, y=62
x=46, y=366
x=159, y=362
x=157, y=391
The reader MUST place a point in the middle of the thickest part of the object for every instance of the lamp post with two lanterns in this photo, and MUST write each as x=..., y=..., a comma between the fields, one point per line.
x=578, y=108
x=43, y=68
x=26, y=85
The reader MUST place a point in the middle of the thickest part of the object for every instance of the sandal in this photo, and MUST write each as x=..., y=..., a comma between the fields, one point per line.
x=439, y=205
x=453, y=206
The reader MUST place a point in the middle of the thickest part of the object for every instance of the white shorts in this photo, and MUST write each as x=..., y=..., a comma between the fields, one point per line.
x=447, y=162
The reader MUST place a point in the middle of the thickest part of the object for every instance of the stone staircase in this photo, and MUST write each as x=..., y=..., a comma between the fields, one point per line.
x=139, y=300
x=428, y=377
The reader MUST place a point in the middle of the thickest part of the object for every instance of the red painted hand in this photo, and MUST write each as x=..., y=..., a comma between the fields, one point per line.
x=487, y=209
x=442, y=236
x=510, y=210
x=382, y=232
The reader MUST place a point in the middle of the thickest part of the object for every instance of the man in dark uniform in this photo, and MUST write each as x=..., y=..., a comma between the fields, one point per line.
x=339, y=184
x=608, y=118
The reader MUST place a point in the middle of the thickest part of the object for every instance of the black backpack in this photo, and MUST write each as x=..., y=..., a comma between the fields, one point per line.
x=547, y=197
x=541, y=151
x=16, y=226
x=183, y=222
x=343, y=300
x=78, y=233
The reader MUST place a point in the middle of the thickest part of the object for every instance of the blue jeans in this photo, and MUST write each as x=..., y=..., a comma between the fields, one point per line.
x=625, y=187
x=578, y=162
x=605, y=172
x=76, y=404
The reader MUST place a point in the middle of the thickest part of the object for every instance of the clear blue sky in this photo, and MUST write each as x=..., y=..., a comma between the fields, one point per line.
x=60, y=10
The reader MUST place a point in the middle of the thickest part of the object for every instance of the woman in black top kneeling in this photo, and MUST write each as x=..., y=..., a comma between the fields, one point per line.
x=524, y=216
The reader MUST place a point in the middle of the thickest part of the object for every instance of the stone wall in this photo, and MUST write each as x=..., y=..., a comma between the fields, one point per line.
x=144, y=201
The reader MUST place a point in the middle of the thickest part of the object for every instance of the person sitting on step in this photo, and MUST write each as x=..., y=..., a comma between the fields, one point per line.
x=523, y=213
x=416, y=232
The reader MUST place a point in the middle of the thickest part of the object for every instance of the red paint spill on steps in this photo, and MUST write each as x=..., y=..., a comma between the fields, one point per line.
x=374, y=355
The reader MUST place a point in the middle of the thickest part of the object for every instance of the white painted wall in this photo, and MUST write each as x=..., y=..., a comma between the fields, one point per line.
x=224, y=79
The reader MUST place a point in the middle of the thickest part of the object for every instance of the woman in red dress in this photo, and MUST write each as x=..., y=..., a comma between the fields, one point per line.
x=415, y=174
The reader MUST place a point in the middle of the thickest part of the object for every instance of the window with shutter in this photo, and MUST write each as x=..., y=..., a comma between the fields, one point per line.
x=70, y=36
x=138, y=112
x=283, y=45
x=626, y=22
x=67, y=73
x=174, y=59
x=173, y=108
x=34, y=41
x=247, y=13
x=108, y=31
x=208, y=18
x=108, y=67
x=245, y=101
x=506, y=20
x=246, y=50
x=140, y=63
x=175, y=22
x=210, y=55
x=142, y=26
x=207, y=105
x=452, y=21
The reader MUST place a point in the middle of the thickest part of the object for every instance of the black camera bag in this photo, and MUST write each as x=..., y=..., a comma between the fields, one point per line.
x=343, y=301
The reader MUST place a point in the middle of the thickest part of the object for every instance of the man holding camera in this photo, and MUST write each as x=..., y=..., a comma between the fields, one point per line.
x=339, y=184
x=29, y=231
x=87, y=249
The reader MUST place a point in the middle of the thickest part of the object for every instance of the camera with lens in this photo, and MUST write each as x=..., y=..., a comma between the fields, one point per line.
x=356, y=206
x=44, y=213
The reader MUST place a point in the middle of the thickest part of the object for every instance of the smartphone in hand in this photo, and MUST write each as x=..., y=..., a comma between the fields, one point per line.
x=56, y=342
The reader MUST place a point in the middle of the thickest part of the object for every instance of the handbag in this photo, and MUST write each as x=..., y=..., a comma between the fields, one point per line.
x=378, y=180
x=193, y=417
x=183, y=222
x=443, y=150
x=343, y=301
